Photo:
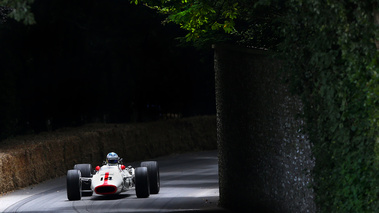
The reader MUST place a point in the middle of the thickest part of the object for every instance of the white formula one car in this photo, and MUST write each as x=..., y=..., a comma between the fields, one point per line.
x=113, y=179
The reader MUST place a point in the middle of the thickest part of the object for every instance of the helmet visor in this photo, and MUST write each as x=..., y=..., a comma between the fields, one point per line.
x=113, y=161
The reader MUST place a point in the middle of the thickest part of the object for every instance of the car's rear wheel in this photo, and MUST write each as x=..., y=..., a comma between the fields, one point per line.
x=153, y=172
x=74, y=186
x=86, y=171
x=142, y=182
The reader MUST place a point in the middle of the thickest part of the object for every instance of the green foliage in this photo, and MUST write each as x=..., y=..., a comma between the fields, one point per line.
x=198, y=17
x=209, y=22
x=331, y=56
x=21, y=10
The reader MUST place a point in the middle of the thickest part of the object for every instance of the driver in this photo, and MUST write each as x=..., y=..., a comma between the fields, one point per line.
x=112, y=159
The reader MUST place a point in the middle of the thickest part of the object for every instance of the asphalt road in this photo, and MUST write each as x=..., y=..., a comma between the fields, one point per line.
x=189, y=183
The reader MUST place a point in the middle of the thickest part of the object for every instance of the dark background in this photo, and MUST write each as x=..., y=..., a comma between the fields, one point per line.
x=98, y=61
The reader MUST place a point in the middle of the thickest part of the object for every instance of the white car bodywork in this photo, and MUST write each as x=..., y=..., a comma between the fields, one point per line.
x=112, y=180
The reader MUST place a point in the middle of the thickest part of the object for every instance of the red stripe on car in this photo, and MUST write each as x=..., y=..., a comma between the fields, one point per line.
x=106, y=178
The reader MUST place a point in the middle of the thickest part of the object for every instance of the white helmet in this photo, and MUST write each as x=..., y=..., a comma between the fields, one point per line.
x=112, y=159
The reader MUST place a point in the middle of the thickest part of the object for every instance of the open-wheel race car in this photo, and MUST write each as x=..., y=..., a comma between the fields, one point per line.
x=113, y=178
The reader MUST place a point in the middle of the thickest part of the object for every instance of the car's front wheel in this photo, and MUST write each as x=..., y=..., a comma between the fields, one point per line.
x=142, y=182
x=74, y=185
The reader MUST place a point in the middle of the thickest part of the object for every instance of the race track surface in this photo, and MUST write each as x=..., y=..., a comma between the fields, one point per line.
x=189, y=183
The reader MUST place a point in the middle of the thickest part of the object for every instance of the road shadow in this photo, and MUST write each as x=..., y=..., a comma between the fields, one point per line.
x=110, y=197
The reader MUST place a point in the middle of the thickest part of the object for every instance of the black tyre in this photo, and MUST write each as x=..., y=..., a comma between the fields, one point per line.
x=74, y=185
x=86, y=171
x=154, y=178
x=142, y=182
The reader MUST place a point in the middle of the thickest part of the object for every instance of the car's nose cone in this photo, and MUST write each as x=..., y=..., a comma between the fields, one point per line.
x=106, y=189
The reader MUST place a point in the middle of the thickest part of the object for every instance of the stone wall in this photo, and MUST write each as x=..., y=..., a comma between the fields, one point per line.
x=31, y=159
x=264, y=158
